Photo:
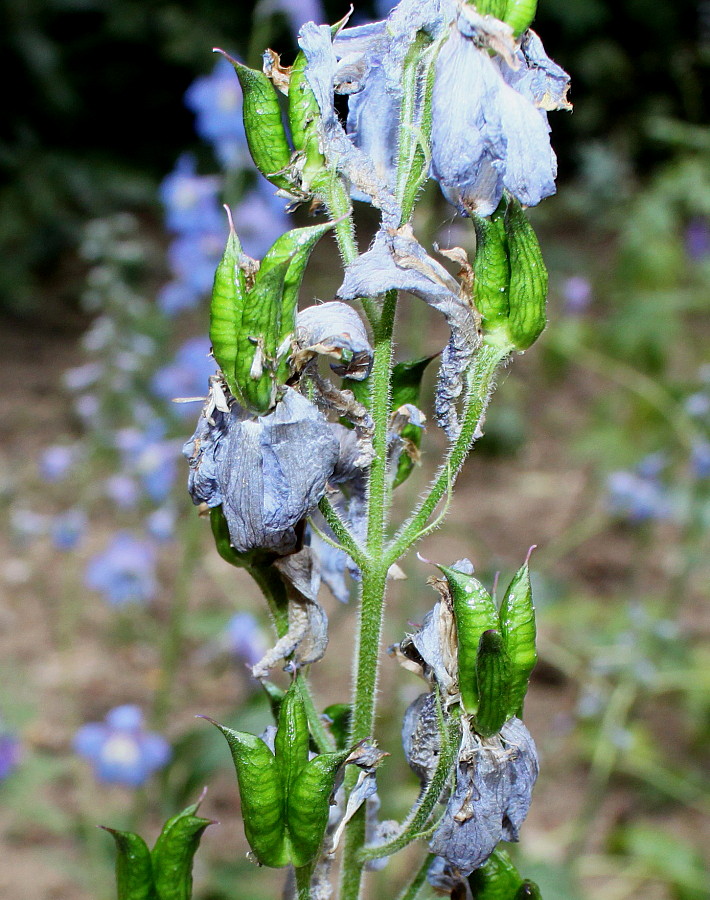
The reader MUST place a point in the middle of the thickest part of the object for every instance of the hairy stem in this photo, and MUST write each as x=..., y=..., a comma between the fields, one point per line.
x=480, y=386
x=319, y=733
x=304, y=875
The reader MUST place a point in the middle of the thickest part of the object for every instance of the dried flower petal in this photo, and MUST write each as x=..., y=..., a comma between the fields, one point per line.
x=334, y=329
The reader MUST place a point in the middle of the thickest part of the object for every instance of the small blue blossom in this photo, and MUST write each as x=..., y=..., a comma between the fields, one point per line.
x=157, y=468
x=697, y=405
x=56, y=461
x=124, y=572
x=297, y=12
x=259, y=219
x=186, y=376
x=245, y=639
x=637, y=498
x=697, y=238
x=176, y=296
x=193, y=258
x=652, y=465
x=160, y=524
x=120, y=750
x=68, y=528
x=216, y=100
x=122, y=490
x=82, y=377
x=10, y=753
x=191, y=201
x=700, y=459
x=577, y=294
x=87, y=407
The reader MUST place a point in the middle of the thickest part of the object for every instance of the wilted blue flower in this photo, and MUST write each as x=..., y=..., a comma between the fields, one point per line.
x=68, y=528
x=191, y=201
x=124, y=572
x=120, y=750
x=10, y=753
x=635, y=497
x=216, y=100
x=56, y=461
x=577, y=294
x=245, y=639
x=187, y=375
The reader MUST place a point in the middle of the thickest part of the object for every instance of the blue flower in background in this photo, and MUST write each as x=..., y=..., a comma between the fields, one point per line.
x=697, y=238
x=122, y=490
x=245, y=639
x=175, y=297
x=160, y=524
x=157, y=468
x=68, y=528
x=637, y=497
x=120, y=750
x=193, y=258
x=191, y=201
x=259, y=219
x=124, y=572
x=296, y=11
x=186, y=376
x=10, y=753
x=700, y=459
x=577, y=294
x=216, y=101
x=56, y=461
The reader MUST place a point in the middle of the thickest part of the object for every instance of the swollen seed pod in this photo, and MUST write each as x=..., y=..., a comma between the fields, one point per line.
x=174, y=852
x=519, y=14
x=493, y=677
x=262, y=796
x=303, y=117
x=308, y=805
x=517, y=623
x=134, y=869
x=474, y=612
x=491, y=270
x=291, y=742
x=497, y=879
x=264, y=128
x=528, y=890
x=528, y=279
x=226, y=308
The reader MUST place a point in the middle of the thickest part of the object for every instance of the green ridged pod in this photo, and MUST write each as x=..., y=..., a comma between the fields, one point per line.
x=266, y=135
x=517, y=622
x=490, y=7
x=262, y=795
x=291, y=743
x=304, y=116
x=497, y=879
x=528, y=891
x=174, y=852
x=519, y=14
x=475, y=613
x=528, y=279
x=134, y=868
x=308, y=805
x=493, y=678
x=227, y=305
x=491, y=270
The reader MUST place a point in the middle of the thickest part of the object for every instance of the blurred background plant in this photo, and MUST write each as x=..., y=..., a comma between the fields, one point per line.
x=598, y=447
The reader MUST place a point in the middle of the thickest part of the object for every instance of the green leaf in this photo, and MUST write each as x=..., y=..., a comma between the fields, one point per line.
x=497, y=879
x=308, y=805
x=493, y=677
x=528, y=279
x=475, y=613
x=134, y=870
x=174, y=852
x=517, y=624
x=263, y=124
x=262, y=795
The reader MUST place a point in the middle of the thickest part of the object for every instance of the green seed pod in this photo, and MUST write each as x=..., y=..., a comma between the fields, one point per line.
x=517, y=624
x=528, y=279
x=264, y=127
x=519, y=14
x=262, y=795
x=291, y=743
x=528, y=891
x=497, y=879
x=308, y=805
x=174, y=852
x=134, y=869
x=475, y=613
x=490, y=7
x=493, y=677
x=226, y=308
x=304, y=116
x=491, y=270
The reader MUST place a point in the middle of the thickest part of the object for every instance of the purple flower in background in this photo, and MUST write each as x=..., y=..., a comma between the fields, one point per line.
x=157, y=468
x=82, y=377
x=698, y=405
x=636, y=497
x=10, y=753
x=87, y=406
x=193, y=257
x=191, y=201
x=245, y=639
x=216, y=101
x=187, y=375
x=56, y=461
x=577, y=294
x=176, y=296
x=124, y=572
x=122, y=490
x=296, y=11
x=120, y=750
x=259, y=218
x=160, y=524
x=697, y=238
x=700, y=459
x=68, y=528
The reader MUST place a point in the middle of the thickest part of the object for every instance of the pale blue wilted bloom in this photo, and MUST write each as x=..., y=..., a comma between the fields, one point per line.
x=124, y=572
x=120, y=750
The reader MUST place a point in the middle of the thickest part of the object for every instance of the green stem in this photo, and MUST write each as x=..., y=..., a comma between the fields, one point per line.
x=319, y=733
x=304, y=876
x=374, y=585
x=341, y=532
x=480, y=379
x=272, y=587
x=416, y=884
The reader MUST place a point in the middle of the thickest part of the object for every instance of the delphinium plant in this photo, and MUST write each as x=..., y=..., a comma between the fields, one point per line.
x=296, y=473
